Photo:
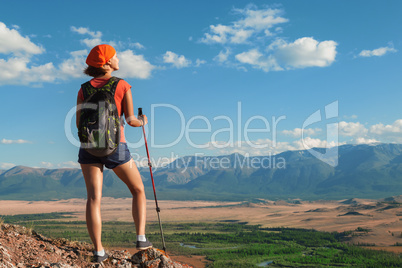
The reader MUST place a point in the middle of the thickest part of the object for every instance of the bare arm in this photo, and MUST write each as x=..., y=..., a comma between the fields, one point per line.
x=129, y=111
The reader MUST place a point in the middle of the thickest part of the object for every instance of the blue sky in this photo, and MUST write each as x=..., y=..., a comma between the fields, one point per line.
x=213, y=77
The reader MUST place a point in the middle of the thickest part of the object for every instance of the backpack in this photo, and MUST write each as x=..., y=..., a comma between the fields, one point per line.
x=99, y=124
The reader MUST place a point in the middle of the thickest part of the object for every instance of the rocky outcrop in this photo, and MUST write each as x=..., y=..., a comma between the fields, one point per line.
x=155, y=258
x=23, y=247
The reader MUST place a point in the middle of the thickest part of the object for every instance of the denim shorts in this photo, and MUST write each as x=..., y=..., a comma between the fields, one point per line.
x=121, y=156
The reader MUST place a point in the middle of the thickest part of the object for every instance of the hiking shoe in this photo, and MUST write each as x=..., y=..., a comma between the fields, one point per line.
x=99, y=259
x=141, y=245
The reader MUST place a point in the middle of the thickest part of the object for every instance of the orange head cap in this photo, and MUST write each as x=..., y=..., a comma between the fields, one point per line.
x=99, y=55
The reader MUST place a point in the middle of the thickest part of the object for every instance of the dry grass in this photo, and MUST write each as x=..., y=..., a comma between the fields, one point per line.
x=319, y=215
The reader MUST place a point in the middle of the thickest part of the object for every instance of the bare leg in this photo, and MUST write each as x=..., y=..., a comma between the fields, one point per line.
x=130, y=175
x=93, y=175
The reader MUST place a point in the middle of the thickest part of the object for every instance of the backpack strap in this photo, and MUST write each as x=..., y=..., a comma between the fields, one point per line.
x=110, y=86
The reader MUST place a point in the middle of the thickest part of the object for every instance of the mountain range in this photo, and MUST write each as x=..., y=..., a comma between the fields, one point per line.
x=363, y=171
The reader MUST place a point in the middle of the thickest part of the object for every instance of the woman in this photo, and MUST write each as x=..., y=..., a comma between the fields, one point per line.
x=102, y=61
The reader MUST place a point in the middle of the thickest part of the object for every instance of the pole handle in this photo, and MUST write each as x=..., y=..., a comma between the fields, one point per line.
x=139, y=111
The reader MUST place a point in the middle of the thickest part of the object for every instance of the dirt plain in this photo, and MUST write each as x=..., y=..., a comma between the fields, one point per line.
x=383, y=219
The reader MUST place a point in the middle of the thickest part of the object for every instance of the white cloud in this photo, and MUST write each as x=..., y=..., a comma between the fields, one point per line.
x=83, y=30
x=46, y=164
x=20, y=141
x=297, y=132
x=6, y=166
x=357, y=133
x=262, y=19
x=96, y=37
x=377, y=52
x=371, y=134
x=351, y=129
x=16, y=71
x=253, y=22
x=137, y=45
x=74, y=66
x=199, y=62
x=11, y=41
x=219, y=34
x=240, y=36
x=308, y=143
x=222, y=56
x=380, y=129
x=176, y=60
x=304, y=52
x=362, y=140
x=256, y=147
x=252, y=57
x=134, y=66
x=92, y=42
x=280, y=55
x=18, y=68
x=263, y=147
x=255, y=27
x=259, y=61
x=69, y=164
x=12, y=68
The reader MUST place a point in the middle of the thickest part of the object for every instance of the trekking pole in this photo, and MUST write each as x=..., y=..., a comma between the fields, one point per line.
x=152, y=178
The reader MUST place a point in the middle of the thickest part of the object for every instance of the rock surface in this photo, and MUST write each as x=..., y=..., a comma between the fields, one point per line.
x=155, y=258
x=23, y=247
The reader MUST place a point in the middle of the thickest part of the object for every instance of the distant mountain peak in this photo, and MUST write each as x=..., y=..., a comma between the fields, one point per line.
x=363, y=171
x=19, y=170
